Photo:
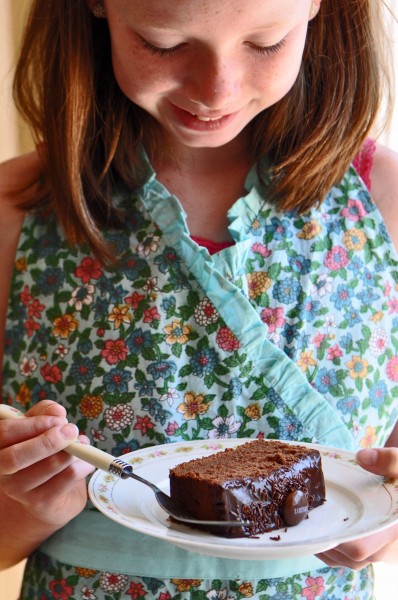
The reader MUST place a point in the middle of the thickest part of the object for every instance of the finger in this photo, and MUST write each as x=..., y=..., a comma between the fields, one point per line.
x=47, y=407
x=335, y=559
x=14, y=432
x=22, y=483
x=22, y=455
x=61, y=495
x=380, y=461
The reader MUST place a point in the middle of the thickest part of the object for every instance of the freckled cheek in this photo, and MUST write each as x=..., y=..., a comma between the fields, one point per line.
x=138, y=82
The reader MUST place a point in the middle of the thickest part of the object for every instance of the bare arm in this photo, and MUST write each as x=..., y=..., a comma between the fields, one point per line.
x=41, y=488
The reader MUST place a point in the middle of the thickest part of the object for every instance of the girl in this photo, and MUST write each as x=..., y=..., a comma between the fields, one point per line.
x=162, y=123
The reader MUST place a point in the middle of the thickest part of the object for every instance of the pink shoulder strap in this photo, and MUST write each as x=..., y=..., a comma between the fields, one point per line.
x=363, y=161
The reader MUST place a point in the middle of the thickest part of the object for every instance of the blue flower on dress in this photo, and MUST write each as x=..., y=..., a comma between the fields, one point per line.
x=48, y=245
x=367, y=296
x=169, y=259
x=41, y=336
x=353, y=317
x=378, y=394
x=145, y=387
x=138, y=340
x=116, y=380
x=83, y=370
x=310, y=308
x=204, y=361
x=125, y=447
x=42, y=392
x=287, y=291
x=342, y=296
x=356, y=265
x=133, y=266
x=51, y=280
x=325, y=379
x=348, y=405
x=290, y=332
x=168, y=304
x=346, y=342
x=162, y=368
x=84, y=345
x=280, y=229
x=235, y=387
x=300, y=264
x=290, y=428
x=101, y=307
x=117, y=295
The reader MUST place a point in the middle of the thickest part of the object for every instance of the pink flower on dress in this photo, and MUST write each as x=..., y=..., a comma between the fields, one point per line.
x=337, y=258
x=392, y=368
x=114, y=351
x=261, y=249
x=334, y=352
x=273, y=317
x=88, y=269
x=136, y=590
x=354, y=210
x=392, y=306
x=52, y=374
x=315, y=588
x=318, y=339
x=227, y=340
x=60, y=590
x=151, y=314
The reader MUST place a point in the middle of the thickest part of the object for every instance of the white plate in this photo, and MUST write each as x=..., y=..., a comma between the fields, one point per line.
x=358, y=504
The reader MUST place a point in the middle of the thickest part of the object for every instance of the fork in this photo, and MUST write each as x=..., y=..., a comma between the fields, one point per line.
x=118, y=467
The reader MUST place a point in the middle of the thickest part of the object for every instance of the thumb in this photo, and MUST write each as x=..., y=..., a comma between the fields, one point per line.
x=380, y=461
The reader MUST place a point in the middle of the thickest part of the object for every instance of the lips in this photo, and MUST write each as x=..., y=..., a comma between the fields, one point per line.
x=200, y=121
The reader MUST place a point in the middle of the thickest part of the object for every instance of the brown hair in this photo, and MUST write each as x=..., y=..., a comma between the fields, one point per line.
x=65, y=89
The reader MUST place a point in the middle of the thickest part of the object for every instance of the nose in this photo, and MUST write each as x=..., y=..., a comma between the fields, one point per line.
x=214, y=82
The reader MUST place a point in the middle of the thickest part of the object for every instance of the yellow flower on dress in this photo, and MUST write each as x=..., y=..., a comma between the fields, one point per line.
x=258, y=282
x=358, y=367
x=23, y=395
x=64, y=326
x=354, y=239
x=246, y=589
x=369, y=439
x=310, y=230
x=83, y=572
x=253, y=411
x=193, y=406
x=91, y=406
x=119, y=315
x=21, y=264
x=377, y=317
x=306, y=360
x=177, y=333
x=184, y=585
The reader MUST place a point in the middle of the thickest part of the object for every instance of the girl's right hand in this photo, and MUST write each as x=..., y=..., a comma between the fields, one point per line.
x=48, y=484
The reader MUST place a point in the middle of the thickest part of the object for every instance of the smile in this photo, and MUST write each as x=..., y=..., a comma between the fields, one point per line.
x=203, y=118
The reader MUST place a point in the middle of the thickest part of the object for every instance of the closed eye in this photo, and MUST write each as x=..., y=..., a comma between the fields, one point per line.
x=268, y=50
x=160, y=51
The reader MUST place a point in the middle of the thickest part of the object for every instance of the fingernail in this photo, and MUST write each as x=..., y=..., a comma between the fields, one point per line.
x=367, y=457
x=69, y=431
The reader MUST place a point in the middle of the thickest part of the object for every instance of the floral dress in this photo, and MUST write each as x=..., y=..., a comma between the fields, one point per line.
x=291, y=333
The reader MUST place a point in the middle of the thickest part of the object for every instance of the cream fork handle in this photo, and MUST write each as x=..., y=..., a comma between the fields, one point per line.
x=98, y=458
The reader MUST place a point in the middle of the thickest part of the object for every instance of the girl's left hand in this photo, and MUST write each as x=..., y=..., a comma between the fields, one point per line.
x=381, y=546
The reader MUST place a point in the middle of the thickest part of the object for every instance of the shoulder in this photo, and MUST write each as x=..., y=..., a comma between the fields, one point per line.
x=384, y=176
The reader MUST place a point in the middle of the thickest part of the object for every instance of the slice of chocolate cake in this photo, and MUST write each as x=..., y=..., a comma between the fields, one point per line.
x=266, y=484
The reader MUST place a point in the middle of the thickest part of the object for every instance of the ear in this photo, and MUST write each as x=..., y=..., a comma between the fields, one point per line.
x=315, y=6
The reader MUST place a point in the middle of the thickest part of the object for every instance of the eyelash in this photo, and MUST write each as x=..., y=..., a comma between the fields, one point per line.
x=263, y=51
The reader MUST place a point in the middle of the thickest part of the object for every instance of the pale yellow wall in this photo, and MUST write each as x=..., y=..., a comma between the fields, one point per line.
x=14, y=136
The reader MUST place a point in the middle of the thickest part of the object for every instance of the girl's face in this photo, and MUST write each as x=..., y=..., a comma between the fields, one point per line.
x=205, y=68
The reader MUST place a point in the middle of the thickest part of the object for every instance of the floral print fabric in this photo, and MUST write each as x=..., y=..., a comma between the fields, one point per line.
x=140, y=355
